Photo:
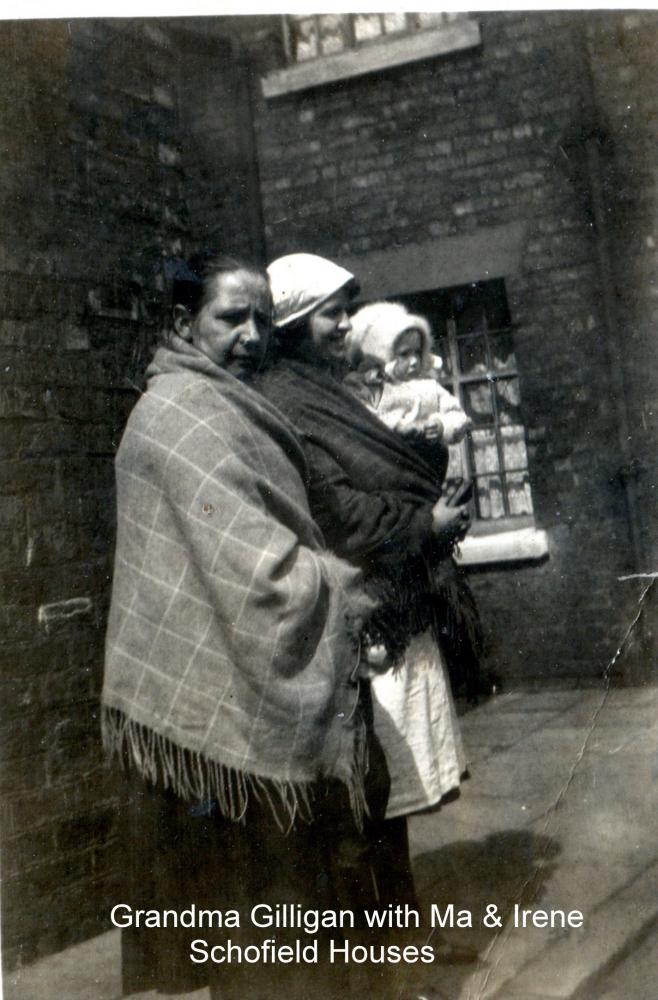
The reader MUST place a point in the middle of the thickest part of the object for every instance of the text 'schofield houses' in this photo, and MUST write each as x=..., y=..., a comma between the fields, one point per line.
x=497, y=172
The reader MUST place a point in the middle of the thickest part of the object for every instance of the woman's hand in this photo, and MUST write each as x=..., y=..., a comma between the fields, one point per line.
x=450, y=524
x=374, y=660
x=411, y=434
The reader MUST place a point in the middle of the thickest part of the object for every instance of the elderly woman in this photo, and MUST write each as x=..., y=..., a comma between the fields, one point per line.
x=379, y=506
x=229, y=690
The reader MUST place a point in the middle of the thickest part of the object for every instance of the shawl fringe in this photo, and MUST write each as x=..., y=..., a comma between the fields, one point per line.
x=192, y=776
x=422, y=593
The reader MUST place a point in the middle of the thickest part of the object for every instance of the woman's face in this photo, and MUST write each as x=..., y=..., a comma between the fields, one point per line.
x=327, y=327
x=232, y=328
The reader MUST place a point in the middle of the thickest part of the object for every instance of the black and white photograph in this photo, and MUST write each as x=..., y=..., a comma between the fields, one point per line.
x=328, y=397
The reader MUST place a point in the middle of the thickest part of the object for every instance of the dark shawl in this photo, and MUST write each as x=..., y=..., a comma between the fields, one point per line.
x=372, y=496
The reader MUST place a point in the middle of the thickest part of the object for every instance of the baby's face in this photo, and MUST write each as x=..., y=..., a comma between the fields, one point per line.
x=408, y=355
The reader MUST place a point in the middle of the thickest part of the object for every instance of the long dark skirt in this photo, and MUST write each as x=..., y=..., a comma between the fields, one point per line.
x=179, y=853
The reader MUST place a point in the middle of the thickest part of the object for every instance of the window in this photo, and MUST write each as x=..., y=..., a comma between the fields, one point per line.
x=473, y=335
x=324, y=48
x=310, y=36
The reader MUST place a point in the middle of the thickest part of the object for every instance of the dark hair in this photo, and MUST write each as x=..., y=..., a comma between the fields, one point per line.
x=193, y=279
x=287, y=339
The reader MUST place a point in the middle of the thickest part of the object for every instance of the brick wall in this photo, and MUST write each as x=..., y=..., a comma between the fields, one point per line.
x=624, y=52
x=103, y=152
x=452, y=146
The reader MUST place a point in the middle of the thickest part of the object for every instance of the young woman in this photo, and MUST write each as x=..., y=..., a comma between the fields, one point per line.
x=378, y=505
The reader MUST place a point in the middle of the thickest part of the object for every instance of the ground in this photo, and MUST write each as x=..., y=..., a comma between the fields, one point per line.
x=558, y=814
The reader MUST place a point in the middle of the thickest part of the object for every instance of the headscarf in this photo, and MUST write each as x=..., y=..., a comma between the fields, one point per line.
x=301, y=282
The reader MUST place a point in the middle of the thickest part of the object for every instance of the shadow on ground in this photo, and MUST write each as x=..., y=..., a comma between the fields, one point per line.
x=504, y=868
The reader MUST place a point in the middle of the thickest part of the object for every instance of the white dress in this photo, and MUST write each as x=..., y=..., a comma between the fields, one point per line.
x=416, y=724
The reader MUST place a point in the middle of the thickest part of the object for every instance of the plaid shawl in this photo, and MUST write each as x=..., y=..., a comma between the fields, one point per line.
x=229, y=651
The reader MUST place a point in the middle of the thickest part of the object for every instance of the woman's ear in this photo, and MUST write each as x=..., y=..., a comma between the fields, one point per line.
x=183, y=322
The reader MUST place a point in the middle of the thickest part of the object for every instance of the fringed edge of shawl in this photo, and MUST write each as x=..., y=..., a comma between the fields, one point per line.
x=194, y=777
x=459, y=630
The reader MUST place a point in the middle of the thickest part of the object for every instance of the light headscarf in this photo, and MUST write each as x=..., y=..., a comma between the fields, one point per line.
x=301, y=282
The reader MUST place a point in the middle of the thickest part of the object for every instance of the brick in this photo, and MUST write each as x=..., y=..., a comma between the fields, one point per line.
x=52, y=806
x=49, y=544
x=69, y=404
x=20, y=853
x=52, y=438
x=95, y=828
x=22, y=401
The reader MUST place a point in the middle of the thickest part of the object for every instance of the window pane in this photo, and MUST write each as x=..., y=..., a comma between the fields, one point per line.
x=469, y=309
x=515, y=455
x=430, y=20
x=305, y=37
x=518, y=493
x=366, y=26
x=507, y=401
x=455, y=469
x=478, y=402
x=495, y=305
x=394, y=22
x=472, y=335
x=472, y=355
x=441, y=348
x=489, y=498
x=438, y=369
x=438, y=322
x=501, y=346
x=332, y=38
x=484, y=451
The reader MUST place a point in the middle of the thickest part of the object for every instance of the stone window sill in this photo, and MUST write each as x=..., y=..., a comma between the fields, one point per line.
x=391, y=52
x=518, y=545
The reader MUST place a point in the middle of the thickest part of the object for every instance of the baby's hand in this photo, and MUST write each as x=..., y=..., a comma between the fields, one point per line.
x=433, y=429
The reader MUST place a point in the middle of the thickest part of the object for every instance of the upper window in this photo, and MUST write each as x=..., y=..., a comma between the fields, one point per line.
x=310, y=36
x=473, y=335
x=323, y=48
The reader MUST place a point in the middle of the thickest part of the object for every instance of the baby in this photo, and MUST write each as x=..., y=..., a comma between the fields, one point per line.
x=395, y=373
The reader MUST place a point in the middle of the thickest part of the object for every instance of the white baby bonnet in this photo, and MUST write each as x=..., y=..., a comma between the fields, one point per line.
x=376, y=328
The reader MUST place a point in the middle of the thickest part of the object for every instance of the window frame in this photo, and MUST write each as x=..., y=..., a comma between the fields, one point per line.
x=455, y=383
x=489, y=252
x=454, y=379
